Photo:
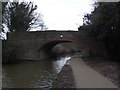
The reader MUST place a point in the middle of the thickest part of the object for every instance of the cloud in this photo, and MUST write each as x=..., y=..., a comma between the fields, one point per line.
x=63, y=14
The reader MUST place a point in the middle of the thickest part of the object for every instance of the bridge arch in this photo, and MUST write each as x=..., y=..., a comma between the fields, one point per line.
x=45, y=49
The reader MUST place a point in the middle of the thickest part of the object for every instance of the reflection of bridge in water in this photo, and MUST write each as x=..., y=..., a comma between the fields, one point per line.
x=37, y=45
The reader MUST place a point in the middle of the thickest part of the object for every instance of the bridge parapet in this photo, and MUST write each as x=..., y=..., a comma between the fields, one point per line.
x=44, y=35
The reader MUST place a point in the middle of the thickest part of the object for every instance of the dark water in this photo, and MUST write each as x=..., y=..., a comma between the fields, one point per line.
x=32, y=74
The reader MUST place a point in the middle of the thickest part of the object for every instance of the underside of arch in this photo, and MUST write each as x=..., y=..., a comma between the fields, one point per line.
x=45, y=50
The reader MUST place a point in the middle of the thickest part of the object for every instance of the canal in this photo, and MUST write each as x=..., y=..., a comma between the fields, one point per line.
x=32, y=74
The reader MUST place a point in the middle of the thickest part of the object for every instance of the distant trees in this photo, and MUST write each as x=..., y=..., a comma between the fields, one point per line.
x=21, y=17
x=104, y=25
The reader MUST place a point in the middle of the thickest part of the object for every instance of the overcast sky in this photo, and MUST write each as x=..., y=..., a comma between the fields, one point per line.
x=63, y=14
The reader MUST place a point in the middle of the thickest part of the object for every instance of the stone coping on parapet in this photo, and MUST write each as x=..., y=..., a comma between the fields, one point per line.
x=55, y=31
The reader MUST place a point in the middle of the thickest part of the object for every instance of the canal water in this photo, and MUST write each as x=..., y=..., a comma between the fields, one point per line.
x=32, y=74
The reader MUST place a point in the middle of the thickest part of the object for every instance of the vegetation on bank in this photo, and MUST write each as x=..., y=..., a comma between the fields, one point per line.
x=104, y=25
x=8, y=52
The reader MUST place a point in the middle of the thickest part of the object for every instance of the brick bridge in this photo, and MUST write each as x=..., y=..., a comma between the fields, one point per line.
x=37, y=45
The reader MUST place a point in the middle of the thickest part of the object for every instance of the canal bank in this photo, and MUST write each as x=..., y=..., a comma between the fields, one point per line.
x=76, y=74
x=65, y=79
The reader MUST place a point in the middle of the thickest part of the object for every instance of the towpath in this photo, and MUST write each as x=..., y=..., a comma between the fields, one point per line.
x=86, y=77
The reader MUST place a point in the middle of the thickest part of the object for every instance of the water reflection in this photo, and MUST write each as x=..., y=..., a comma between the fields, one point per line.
x=60, y=62
x=32, y=74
